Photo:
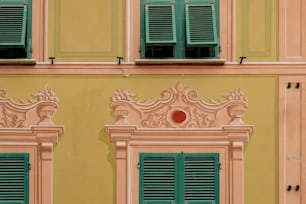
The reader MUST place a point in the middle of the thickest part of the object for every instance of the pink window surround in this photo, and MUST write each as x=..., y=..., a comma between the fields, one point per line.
x=27, y=127
x=39, y=30
x=178, y=122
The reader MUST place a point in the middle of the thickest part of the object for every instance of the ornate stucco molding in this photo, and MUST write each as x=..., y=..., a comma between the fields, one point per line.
x=179, y=122
x=179, y=107
x=27, y=127
x=28, y=112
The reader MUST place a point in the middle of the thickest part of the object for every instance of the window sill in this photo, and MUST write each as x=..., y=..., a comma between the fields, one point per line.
x=179, y=61
x=17, y=61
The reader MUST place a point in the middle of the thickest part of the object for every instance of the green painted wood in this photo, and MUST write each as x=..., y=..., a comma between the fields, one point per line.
x=201, y=28
x=160, y=24
x=179, y=178
x=13, y=21
x=201, y=178
x=14, y=178
x=158, y=179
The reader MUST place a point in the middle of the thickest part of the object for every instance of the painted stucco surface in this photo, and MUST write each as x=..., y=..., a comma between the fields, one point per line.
x=79, y=32
x=257, y=30
x=84, y=165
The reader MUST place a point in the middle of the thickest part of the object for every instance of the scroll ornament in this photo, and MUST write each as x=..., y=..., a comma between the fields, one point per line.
x=179, y=107
x=38, y=110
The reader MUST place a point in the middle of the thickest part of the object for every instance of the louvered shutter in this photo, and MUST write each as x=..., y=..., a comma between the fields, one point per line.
x=13, y=15
x=14, y=176
x=160, y=24
x=201, y=179
x=201, y=28
x=158, y=179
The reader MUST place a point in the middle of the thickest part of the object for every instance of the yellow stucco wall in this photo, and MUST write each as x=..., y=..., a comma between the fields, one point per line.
x=81, y=31
x=257, y=30
x=84, y=156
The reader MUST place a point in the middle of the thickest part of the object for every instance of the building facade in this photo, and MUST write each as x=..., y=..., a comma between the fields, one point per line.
x=102, y=71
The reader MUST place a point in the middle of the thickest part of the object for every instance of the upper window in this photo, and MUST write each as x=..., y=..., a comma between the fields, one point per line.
x=15, y=29
x=180, y=29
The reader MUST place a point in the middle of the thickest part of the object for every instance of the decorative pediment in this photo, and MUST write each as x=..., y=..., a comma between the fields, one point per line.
x=38, y=110
x=179, y=122
x=179, y=107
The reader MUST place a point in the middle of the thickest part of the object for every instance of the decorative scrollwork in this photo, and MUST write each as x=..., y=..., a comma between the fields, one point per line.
x=195, y=112
x=37, y=111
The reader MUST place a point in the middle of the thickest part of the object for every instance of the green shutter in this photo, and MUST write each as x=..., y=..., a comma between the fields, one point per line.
x=158, y=179
x=14, y=178
x=160, y=24
x=179, y=178
x=12, y=23
x=201, y=183
x=201, y=28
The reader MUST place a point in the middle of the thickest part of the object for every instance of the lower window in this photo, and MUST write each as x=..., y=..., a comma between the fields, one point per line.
x=14, y=178
x=179, y=178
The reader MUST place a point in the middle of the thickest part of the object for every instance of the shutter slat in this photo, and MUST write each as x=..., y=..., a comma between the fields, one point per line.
x=160, y=24
x=201, y=25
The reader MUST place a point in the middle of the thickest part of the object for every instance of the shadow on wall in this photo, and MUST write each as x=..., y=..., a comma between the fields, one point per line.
x=110, y=155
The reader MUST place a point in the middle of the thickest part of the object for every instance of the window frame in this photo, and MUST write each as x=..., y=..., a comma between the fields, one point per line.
x=179, y=49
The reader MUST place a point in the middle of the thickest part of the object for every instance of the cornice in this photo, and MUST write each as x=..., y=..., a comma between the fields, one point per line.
x=127, y=69
x=224, y=133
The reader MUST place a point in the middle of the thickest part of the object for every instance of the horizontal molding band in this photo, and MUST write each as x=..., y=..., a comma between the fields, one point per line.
x=132, y=69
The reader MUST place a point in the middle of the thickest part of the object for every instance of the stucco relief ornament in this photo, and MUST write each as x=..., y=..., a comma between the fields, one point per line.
x=37, y=111
x=179, y=107
x=47, y=106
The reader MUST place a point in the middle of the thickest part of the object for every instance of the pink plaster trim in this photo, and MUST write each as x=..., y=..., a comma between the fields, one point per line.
x=197, y=113
x=39, y=34
x=26, y=127
x=219, y=130
x=292, y=167
x=292, y=31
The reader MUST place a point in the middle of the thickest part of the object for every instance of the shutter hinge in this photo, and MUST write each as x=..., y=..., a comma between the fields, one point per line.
x=138, y=165
x=29, y=166
x=220, y=166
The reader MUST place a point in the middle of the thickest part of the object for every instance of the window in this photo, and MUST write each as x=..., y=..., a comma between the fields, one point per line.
x=179, y=29
x=150, y=137
x=179, y=178
x=14, y=178
x=15, y=29
x=27, y=136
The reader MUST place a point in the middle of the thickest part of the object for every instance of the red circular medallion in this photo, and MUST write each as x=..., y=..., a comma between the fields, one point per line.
x=179, y=116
